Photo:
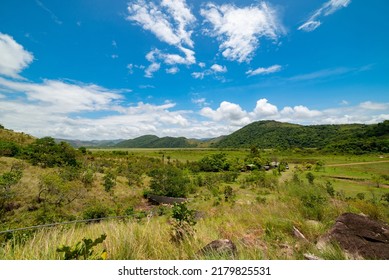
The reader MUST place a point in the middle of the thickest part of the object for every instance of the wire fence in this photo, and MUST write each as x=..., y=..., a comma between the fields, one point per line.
x=65, y=223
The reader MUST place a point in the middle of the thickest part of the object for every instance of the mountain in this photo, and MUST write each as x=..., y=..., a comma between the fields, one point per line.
x=152, y=141
x=90, y=143
x=273, y=134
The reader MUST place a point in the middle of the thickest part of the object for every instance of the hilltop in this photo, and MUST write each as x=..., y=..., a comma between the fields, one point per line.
x=273, y=134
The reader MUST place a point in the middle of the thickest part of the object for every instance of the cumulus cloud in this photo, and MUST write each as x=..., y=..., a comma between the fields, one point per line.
x=326, y=9
x=264, y=109
x=232, y=115
x=171, y=22
x=231, y=112
x=218, y=68
x=173, y=70
x=13, y=57
x=239, y=29
x=264, y=71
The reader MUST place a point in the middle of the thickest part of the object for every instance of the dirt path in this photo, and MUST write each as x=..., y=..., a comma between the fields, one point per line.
x=357, y=163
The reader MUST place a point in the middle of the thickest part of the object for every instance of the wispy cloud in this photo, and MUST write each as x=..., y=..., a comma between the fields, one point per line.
x=264, y=71
x=326, y=9
x=239, y=29
x=52, y=15
x=13, y=57
x=330, y=72
x=216, y=70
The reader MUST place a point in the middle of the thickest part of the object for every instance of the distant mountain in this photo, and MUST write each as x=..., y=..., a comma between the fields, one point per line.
x=273, y=134
x=91, y=143
x=152, y=141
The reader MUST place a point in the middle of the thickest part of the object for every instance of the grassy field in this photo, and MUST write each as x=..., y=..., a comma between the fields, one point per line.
x=258, y=215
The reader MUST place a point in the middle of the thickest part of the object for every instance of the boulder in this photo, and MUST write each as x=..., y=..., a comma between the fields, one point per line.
x=359, y=236
x=220, y=247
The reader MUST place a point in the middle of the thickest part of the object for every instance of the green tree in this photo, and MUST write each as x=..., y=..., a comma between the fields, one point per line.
x=7, y=180
x=109, y=181
x=310, y=177
x=214, y=163
x=169, y=181
x=46, y=153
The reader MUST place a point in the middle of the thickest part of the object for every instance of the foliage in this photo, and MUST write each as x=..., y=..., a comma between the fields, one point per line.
x=183, y=221
x=350, y=138
x=46, y=153
x=310, y=177
x=9, y=149
x=83, y=249
x=109, y=181
x=7, y=180
x=152, y=141
x=214, y=163
x=169, y=181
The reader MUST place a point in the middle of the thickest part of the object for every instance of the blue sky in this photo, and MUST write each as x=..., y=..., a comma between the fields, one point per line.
x=120, y=69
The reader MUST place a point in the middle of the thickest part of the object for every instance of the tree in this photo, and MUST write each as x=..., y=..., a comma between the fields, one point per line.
x=169, y=181
x=109, y=181
x=7, y=180
x=47, y=153
x=310, y=177
x=214, y=163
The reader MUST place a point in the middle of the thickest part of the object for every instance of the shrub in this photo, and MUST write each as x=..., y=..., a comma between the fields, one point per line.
x=169, y=181
x=183, y=221
x=83, y=249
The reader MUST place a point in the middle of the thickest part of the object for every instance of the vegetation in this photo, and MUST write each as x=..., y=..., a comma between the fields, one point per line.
x=254, y=197
x=354, y=138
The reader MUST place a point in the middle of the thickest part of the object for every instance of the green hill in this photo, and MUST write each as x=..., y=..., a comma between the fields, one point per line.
x=152, y=141
x=272, y=134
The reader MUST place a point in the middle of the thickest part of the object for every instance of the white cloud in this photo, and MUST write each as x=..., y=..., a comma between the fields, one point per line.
x=264, y=109
x=218, y=68
x=153, y=67
x=13, y=57
x=173, y=70
x=300, y=113
x=227, y=111
x=198, y=75
x=52, y=15
x=202, y=64
x=264, y=71
x=326, y=9
x=239, y=29
x=368, y=105
x=214, y=70
x=171, y=22
x=62, y=97
x=168, y=21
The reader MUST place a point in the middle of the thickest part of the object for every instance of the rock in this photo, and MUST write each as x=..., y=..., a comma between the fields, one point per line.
x=220, y=246
x=299, y=235
x=359, y=236
x=308, y=256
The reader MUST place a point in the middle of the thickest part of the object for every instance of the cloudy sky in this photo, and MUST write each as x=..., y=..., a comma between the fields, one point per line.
x=97, y=69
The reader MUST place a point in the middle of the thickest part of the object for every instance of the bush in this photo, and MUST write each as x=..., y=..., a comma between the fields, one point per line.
x=83, y=249
x=47, y=153
x=183, y=221
x=169, y=181
x=97, y=211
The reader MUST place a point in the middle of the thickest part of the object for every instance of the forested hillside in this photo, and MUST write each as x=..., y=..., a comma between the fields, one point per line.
x=152, y=141
x=344, y=138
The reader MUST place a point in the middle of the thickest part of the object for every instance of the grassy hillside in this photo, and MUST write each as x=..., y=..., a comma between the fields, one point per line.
x=20, y=138
x=272, y=134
